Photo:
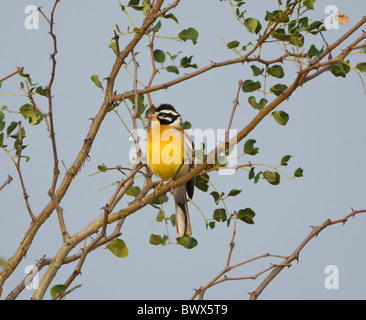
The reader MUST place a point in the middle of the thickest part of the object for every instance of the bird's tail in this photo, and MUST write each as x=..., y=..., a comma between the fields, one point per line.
x=182, y=220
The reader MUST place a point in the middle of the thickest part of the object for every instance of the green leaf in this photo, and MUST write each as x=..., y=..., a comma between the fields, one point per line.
x=281, y=117
x=156, y=239
x=361, y=66
x=246, y=215
x=157, y=26
x=276, y=71
x=278, y=89
x=249, y=147
x=96, y=81
x=16, y=135
x=253, y=103
x=313, y=51
x=297, y=40
x=186, y=62
x=189, y=34
x=280, y=34
x=118, y=248
x=2, y=122
x=201, y=182
x=187, y=242
x=340, y=69
x=145, y=6
x=29, y=112
x=133, y=191
x=257, y=105
x=160, y=216
x=41, y=91
x=285, y=159
x=113, y=46
x=234, y=192
x=272, y=177
x=136, y=29
x=186, y=125
x=164, y=198
x=309, y=4
x=1, y=139
x=257, y=176
x=140, y=105
x=57, y=289
x=159, y=56
x=315, y=27
x=256, y=71
x=250, y=86
x=233, y=44
x=172, y=220
x=298, y=173
x=216, y=196
x=251, y=173
x=220, y=214
x=211, y=224
x=173, y=69
x=170, y=16
x=103, y=169
x=252, y=25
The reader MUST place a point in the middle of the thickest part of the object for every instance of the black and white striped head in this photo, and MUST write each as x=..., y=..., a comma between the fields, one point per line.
x=166, y=114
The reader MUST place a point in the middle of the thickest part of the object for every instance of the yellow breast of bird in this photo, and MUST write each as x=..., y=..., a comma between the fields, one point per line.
x=165, y=150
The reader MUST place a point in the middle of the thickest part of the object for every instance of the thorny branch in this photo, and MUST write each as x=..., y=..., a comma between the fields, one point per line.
x=276, y=268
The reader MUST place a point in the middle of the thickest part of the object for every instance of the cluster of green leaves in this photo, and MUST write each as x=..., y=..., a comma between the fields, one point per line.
x=32, y=88
x=272, y=177
x=28, y=111
x=186, y=62
x=291, y=30
x=160, y=56
x=220, y=214
x=275, y=71
x=11, y=132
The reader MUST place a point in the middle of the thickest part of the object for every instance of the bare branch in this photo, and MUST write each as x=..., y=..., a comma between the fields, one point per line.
x=10, y=179
x=236, y=102
x=295, y=255
x=12, y=74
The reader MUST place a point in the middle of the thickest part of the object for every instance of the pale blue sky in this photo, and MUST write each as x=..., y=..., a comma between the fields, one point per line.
x=325, y=136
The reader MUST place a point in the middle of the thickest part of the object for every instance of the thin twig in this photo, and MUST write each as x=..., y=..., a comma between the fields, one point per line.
x=236, y=102
x=50, y=125
x=12, y=74
x=136, y=96
x=17, y=165
x=10, y=179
